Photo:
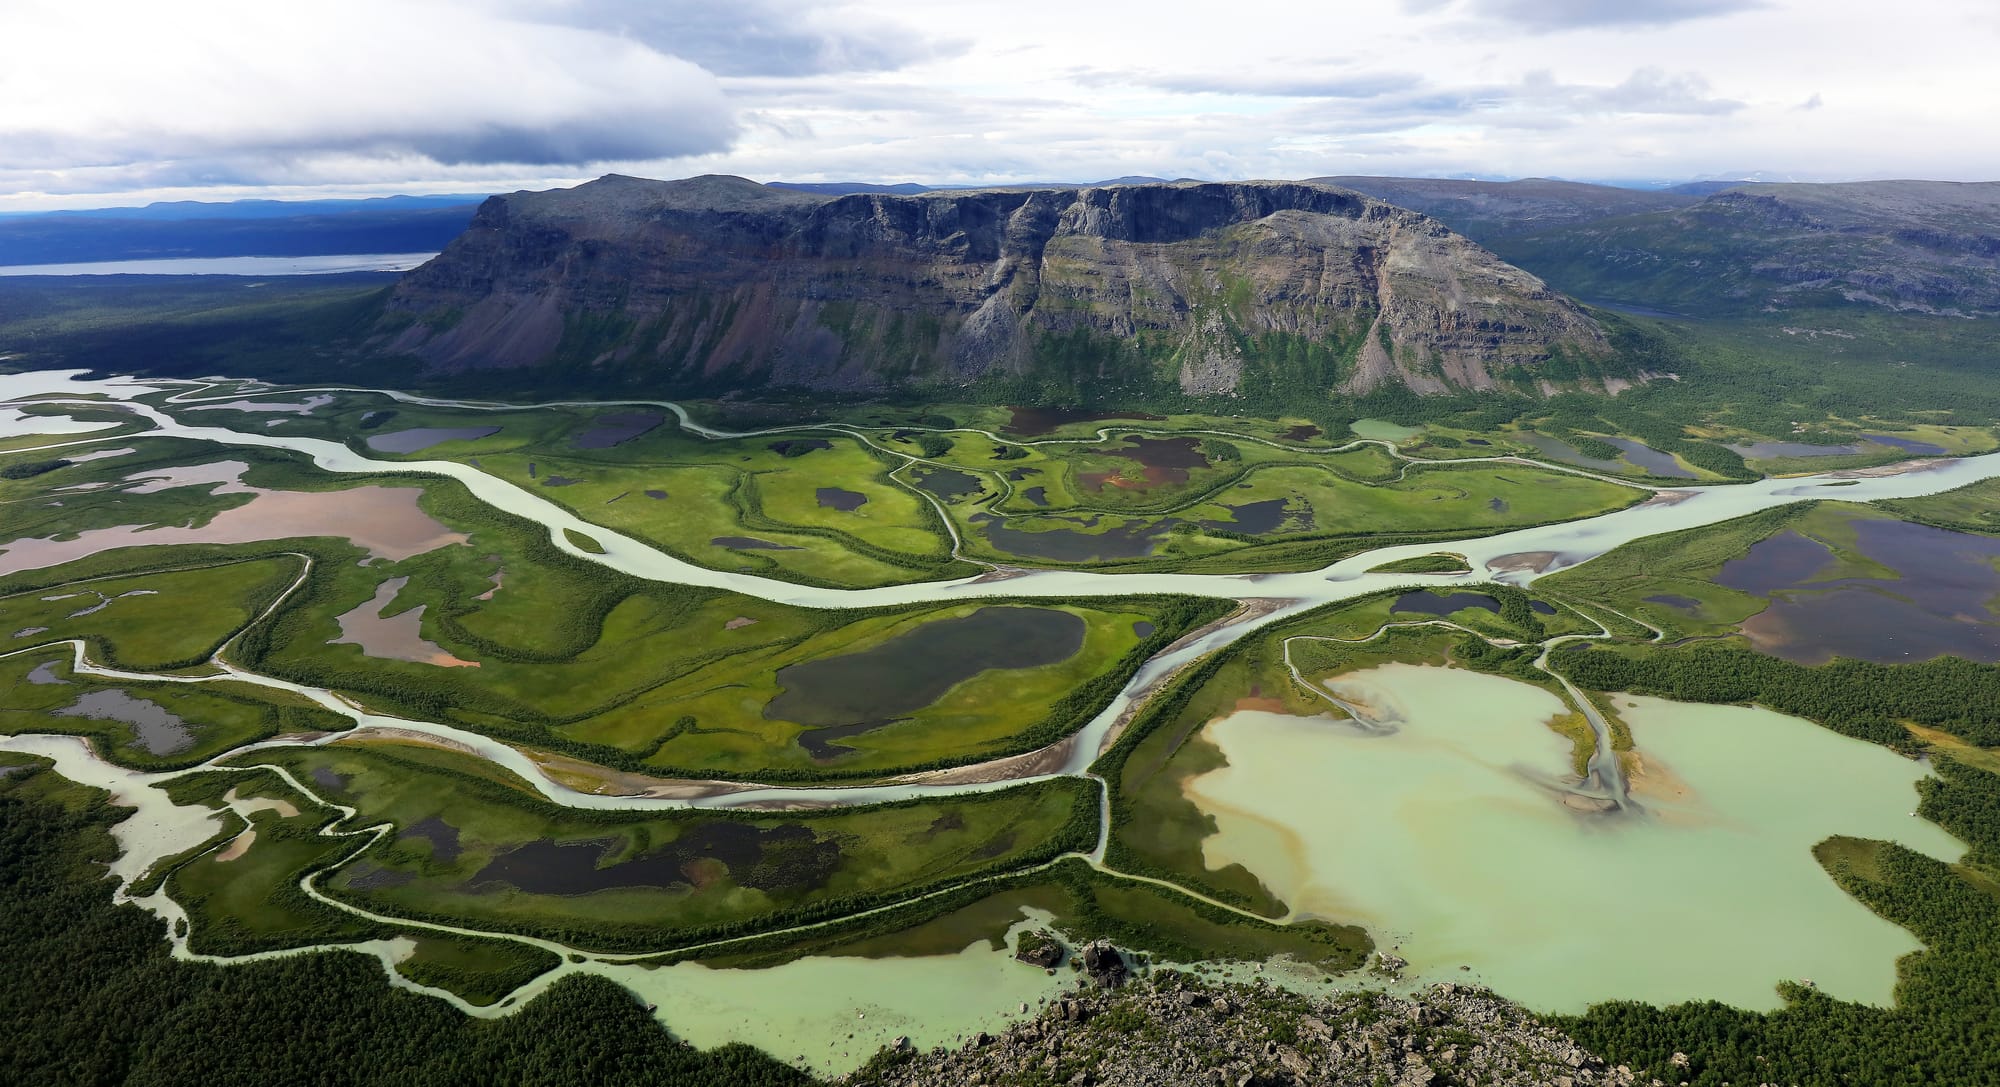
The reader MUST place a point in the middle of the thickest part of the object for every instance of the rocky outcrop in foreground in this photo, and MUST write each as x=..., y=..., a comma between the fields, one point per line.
x=1171, y=1030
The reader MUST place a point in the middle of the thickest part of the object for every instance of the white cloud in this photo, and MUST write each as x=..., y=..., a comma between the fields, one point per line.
x=114, y=101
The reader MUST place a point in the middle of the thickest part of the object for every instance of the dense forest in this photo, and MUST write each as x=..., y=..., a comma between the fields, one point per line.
x=94, y=998
x=1856, y=698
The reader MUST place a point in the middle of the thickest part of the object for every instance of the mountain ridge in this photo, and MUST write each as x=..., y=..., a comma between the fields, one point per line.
x=1213, y=288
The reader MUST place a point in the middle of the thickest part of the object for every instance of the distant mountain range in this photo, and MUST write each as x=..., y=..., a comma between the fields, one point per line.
x=722, y=284
x=1723, y=249
x=243, y=228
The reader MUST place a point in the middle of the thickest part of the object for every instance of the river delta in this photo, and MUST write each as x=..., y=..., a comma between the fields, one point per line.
x=1436, y=807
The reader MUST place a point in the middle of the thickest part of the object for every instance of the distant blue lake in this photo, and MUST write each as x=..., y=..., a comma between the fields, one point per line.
x=229, y=266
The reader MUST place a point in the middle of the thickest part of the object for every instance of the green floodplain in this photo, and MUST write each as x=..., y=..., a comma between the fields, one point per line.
x=1733, y=786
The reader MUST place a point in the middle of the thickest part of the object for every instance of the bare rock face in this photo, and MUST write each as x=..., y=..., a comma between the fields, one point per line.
x=1171, y=1031
x=719, y=283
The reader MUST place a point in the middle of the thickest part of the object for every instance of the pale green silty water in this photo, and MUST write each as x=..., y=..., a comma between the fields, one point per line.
x=1447, y=841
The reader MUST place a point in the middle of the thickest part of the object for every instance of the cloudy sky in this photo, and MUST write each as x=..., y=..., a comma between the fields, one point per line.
x=118, y=101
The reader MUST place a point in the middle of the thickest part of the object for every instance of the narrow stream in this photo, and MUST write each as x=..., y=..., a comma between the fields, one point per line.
x=1518, y=557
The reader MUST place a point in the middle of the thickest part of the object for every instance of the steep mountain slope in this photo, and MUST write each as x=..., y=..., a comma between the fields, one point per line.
x=718, y=283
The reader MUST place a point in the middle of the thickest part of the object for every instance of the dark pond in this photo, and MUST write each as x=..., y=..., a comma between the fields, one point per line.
x=857, y=691
x=839, y=499
x=617, y=429
x=948, y=482
x=1477, y=441
x=1304, y=433
x=1777, y=562
x=656, y=495
x=1937, y=608
x=1037, y=495
x=1557, y=449
x=531, y=470
x=44, y=675
x=417, y=439
x=1132, y=541
x=1770, y=450
x=1143, y=629
x=442, y=837
x=1019, y=474
x=1426, y=602
x=159, y=732
x=560, y=481
x=1652, y=460
x=369, y=876
x=1907, y=445
x=785, y=857
x=1033, y=421
x=799, y=447
x=328, y=777
x=1255, y=518
x=1673, y=600
x=1497, y=505
x=750, y=543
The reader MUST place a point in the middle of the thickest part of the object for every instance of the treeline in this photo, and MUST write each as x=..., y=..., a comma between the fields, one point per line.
x=93, y=997
x=1856, y=698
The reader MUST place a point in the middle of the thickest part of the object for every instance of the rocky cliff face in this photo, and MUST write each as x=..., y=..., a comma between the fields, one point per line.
x=1220, y=289
x=1171, y=1031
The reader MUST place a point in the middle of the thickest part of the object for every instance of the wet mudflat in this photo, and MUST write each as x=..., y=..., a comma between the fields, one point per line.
x=386, y=521
x=418, y=439
x=397, y=637
x=916, y=668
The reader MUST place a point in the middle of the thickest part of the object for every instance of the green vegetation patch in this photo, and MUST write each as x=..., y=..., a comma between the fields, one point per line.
x=148, y=725
x=470, y=851
x=1439, y=563
x=153, y=621
x=480, y=971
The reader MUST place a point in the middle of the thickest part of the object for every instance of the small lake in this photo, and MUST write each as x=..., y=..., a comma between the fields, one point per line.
x=1937, y=607
x=385, y=521
x=1652, y=460
x=157, y=730
x=397, y=637
x=418, y=439
x=1034, y=422
x=873, y=687
x=947, y=482
x=228, y=266
x=1712, y=892
x=749, y=543
x=836, y=498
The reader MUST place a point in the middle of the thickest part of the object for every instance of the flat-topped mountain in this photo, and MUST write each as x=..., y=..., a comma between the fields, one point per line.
x=1255, y=288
